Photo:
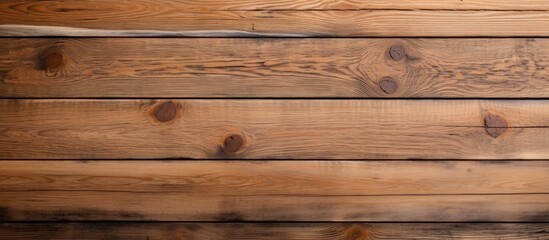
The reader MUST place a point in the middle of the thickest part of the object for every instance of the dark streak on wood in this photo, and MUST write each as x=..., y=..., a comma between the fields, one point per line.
x=4, y=214
x=3, y=75
x=83, y=214
x=542, y=216
x=229, y=217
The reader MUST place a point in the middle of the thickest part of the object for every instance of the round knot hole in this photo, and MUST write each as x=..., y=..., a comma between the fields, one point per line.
x=233, y=143
x=397, y=52
x=388, y=85
x=495, y=125
x=53, y=60
x=356, y=233
x=165, y=111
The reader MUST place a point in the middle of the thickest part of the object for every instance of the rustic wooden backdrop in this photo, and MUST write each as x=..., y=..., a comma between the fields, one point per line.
x=260, y=119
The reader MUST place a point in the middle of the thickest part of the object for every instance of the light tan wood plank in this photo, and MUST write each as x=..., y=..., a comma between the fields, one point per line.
x=141, y=67
x=274, y=191
x=290, y=177
x=140, y=6
x=142, y=20
x=274, y=129
x=274, y=231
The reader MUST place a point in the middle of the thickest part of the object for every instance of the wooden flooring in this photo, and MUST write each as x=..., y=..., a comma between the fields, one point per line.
x=290, y=119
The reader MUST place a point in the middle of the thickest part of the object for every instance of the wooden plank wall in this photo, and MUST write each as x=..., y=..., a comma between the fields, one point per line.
x=259, y=119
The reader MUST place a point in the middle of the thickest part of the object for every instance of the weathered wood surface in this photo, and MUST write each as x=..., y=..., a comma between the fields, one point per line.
x=292, y=177
x=360, y=68
x=274, y=129
x=275, y=191
x=140, y=6
x=274, y=231
x=283, y=18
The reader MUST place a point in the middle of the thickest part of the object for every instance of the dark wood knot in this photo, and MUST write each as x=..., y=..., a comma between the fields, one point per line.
x=388, y=85
x=356, y=233
x=495, y=125
x=53, y=60
x=165, y=112
x=397, y=52
x=233, y=143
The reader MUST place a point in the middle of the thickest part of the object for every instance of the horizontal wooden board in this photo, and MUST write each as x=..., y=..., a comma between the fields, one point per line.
x=274, y=191
x=266, y=231
x=274, y=129
x=320, y=68
x=139, y=6
x=145, y=18
x=290, y=177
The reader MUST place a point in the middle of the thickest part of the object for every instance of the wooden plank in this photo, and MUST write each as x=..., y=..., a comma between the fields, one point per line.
x=274, y=191
x=138, y=6
x=274, y=129
x=115, y=19
x=291, y=177
x=434, y=68
x=274, y=231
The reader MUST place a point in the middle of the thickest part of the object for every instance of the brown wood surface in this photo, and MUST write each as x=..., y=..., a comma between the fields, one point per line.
x=274, y=231
x=274, y=129
x=61, y=8
x=274, y=191
x=341, y=68
x=101, y=133
x=292, y=177
x=285, y=18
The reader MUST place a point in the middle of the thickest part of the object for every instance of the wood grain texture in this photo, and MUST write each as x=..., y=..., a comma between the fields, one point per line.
x=291, y=177
x=274, y=191
x=274, y=129
x=273, y=231
x=67, y=6
x=144, y=67
x=166, y=18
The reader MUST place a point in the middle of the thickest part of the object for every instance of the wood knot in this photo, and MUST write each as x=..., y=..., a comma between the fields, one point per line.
x=53, y=60
x=165, y=112
x=233, y=143
x=388, y=85
x=397, y=52
x=495, y=125
x=356, y=233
